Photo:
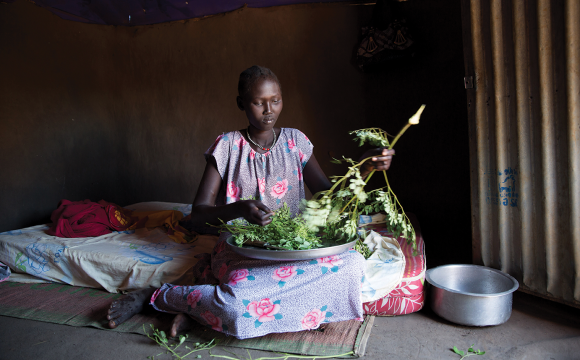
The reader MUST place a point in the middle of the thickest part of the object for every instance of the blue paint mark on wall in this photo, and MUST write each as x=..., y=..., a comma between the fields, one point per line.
x=505, y=192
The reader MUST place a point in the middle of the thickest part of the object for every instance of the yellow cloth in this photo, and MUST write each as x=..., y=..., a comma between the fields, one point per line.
x=169, y=220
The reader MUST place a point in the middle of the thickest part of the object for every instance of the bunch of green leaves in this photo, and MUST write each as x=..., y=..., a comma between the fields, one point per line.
x=469, y=352
x=386, y=201
x=371, y=136
x=284, y=231
x=161, y=339
x=363, y=249
x=336, y=212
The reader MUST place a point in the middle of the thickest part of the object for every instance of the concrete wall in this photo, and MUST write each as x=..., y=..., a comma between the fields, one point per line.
x=125, y=113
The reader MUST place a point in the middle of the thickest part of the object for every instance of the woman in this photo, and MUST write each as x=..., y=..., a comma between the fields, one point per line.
x=249, y=173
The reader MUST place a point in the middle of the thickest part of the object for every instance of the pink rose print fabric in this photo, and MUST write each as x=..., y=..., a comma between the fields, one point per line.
x=245, y=297
x=298, y=173
x=240, y=143
x=302, y=157
x=315, y=317
x=213, y=321
x=280, y=189
x=270, y=177
x=265, y=310
x=237, y=276
x=220, y=247
x=286, y=273
x=193, y=299
x=282, y=297
x=206, y=272
x=154, y=296
x=262, y=187
x=291, y=146
x=233, y=193
x=328, y=263
x=223, y=270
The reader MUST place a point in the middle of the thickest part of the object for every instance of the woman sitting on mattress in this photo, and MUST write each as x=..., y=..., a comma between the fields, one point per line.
x=246, y=297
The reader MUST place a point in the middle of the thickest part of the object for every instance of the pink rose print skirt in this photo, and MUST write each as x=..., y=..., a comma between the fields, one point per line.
x=258, y=297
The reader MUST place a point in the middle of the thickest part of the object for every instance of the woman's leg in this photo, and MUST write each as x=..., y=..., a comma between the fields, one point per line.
x=128, y=305
x=258, y=297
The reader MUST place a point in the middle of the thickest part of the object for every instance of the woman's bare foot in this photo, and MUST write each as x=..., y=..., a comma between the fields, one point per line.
x=128, y=305
x=181, y=322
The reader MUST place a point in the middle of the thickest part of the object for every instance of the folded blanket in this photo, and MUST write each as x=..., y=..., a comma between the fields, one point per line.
x=169, y=220
x=74, y=219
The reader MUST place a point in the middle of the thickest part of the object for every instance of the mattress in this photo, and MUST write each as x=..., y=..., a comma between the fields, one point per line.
x=119, y=261
x=129, y=260
x=409, y=295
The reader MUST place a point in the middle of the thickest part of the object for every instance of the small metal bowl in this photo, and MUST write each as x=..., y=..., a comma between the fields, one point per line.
x=471, y=295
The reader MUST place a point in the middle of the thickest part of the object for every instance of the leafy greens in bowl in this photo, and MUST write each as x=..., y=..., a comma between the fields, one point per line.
x=284, y=232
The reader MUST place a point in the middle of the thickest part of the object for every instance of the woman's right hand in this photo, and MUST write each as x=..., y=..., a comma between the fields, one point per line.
x=255, y=212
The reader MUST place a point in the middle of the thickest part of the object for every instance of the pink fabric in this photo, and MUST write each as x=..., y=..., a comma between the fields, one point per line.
x=74, y=219
x=407, y=298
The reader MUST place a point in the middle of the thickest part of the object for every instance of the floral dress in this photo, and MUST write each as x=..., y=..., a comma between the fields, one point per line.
x=247, y=297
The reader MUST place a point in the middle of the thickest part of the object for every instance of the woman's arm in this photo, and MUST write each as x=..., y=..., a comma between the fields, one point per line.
x=382, y=158
x=204, y=211
x=314, y=177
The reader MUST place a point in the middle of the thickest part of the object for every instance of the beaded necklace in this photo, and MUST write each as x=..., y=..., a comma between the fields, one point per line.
x=261, y=147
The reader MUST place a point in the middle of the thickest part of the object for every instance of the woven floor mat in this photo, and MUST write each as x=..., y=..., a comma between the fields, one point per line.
x=79, y=306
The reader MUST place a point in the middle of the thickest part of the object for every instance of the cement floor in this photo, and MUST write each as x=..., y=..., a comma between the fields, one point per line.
x=537, y=329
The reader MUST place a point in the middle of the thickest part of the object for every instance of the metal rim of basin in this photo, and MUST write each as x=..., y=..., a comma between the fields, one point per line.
x=515, y=283
x=289, y=255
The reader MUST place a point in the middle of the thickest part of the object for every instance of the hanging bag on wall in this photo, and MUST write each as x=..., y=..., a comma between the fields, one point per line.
x=380, y=47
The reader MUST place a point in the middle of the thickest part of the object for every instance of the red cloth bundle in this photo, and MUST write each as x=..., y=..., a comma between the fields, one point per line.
x=74, y=219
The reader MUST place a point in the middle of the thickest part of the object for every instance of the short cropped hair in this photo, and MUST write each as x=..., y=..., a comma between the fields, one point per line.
x=249, y=76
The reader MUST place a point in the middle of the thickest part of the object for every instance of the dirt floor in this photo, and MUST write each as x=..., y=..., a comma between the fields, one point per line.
x=537, y=329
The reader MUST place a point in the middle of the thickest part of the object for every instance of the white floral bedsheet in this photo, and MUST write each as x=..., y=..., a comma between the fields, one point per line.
x=119, y=261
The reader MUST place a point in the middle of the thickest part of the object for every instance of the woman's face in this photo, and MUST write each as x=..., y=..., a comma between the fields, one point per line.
x=262, y=104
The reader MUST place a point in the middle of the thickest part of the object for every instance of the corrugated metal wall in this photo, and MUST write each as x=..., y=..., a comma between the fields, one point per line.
x=524, y=113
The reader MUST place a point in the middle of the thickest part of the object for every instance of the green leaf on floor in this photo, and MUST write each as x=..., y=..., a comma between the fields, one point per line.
x=470, y=352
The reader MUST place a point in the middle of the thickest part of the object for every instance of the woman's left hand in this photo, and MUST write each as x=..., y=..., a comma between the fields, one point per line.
x=381, y=160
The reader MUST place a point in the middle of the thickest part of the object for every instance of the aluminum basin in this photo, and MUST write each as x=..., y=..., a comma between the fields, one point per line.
x=471, y=295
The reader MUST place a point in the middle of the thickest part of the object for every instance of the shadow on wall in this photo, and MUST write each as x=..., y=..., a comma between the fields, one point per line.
x=430, y=173
x=148, y=101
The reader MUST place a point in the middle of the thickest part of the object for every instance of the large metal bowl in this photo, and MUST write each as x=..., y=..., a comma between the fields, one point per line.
x=471, y=295
x=265, y=254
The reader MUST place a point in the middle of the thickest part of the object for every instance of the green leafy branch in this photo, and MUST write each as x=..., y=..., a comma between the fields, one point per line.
x=161, y=339
x=469, y=352
x=336, y=211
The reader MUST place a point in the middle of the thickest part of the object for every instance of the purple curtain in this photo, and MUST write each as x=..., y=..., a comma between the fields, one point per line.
x=144, y=12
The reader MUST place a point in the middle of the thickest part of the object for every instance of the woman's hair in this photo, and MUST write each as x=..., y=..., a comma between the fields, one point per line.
x=249, y=76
